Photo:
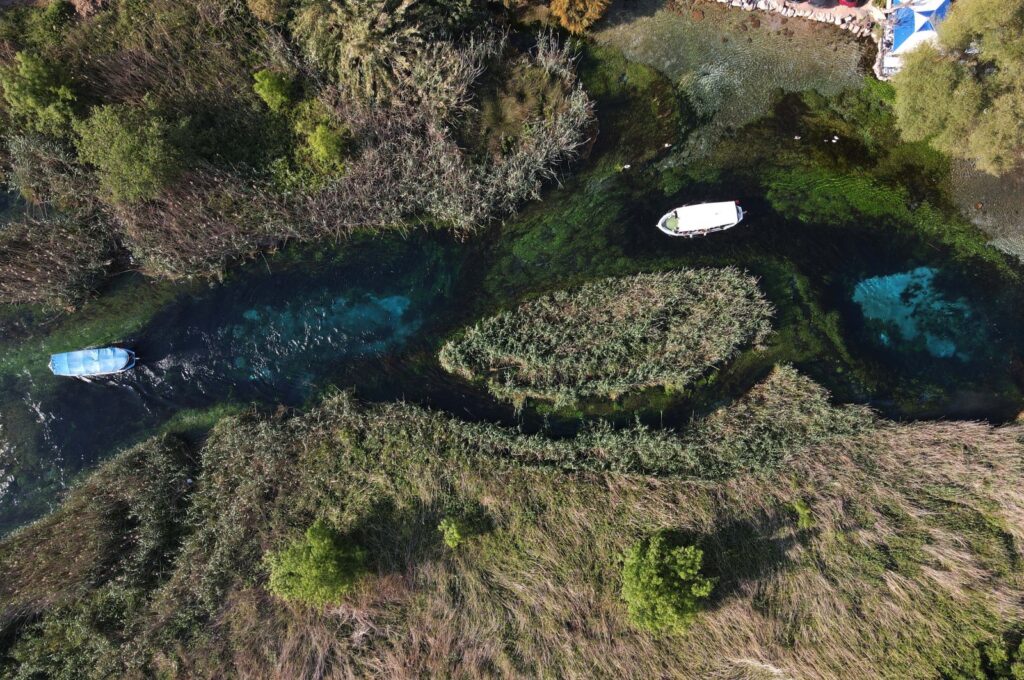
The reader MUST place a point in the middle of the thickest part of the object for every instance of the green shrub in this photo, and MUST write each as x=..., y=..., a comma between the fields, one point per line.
x=327, y=147
x=454, y=531
x=663, y=586
x=38, y=95
x=129, y=147
x=326, y=142
x=274, y=88
x=317, y=569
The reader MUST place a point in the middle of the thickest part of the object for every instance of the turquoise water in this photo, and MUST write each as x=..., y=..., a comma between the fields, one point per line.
x=292, y=338
x=911, y=314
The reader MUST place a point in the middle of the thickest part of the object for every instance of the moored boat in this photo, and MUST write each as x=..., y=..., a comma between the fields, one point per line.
x=701, y=219
x=86, y=363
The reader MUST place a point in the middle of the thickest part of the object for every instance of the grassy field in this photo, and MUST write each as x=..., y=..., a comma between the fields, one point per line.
x=613, y=336
x=855, y=548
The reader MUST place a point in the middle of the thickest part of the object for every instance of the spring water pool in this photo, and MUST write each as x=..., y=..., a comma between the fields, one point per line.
x=908, y=312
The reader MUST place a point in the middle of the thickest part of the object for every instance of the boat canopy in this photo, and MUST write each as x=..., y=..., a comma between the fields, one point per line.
x=704, y=218
x=86, y=362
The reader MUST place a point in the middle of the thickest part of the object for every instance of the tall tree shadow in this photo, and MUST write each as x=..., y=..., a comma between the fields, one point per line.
x=744, y=550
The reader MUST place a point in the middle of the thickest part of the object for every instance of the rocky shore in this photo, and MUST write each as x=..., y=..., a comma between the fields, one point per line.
x=858, y=20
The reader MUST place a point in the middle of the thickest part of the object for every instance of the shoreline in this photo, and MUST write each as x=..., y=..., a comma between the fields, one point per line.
x=860, y=21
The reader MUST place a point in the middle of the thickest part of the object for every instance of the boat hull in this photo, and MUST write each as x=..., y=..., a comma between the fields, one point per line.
x=89, y=363
x=700, y=220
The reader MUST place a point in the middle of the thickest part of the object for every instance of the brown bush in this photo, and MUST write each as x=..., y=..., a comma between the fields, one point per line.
x=51, y=261
x=87, y=8
x=201, y=222
x=267, y=11
x=576, y=16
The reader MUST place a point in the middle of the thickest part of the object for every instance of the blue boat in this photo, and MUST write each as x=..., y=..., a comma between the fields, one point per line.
x=91, y=362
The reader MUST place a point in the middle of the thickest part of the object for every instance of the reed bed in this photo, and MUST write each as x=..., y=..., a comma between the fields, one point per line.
x=614, y=336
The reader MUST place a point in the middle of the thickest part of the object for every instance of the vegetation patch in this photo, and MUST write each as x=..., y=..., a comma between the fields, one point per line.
x=663, y=585
x=318, y=569
x=614, y=336
x=195, y=134
x=156, y=564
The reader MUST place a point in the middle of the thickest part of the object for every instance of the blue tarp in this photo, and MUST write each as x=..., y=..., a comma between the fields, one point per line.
x=915, y=21
x=92, y=361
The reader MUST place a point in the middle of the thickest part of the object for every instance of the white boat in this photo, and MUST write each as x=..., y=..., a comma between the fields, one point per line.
x=86, y=363
x=701, y=219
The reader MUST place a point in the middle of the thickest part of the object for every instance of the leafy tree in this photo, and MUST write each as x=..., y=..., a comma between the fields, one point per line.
x=576, y=16
x=966, y=95
x=317, y=569
x=274, y=88
x=38, y=94
x=662, y=585
x=130, y=148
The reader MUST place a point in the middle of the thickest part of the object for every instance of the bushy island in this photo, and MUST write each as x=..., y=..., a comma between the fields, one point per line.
x=613, y=336
x=780, y=537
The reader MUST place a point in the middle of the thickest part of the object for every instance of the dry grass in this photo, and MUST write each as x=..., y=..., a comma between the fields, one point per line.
x=908, y=555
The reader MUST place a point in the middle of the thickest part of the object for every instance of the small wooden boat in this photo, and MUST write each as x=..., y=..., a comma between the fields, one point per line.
x=86, y=363
x=701, y=219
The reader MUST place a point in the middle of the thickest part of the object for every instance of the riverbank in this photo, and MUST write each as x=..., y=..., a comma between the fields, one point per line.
x=155, y=566
x=863, y=21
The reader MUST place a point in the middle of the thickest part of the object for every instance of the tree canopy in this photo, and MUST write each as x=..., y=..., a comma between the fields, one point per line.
x=129, y=147
x=966, y=94
x=662, y=585
x=37, y=94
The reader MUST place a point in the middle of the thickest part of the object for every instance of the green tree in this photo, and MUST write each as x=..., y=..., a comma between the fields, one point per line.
x=274, y=88
x=662, y=585
x=453, y=531
x=131, y=150
x=38, y=95
x=317, y=569
x=966, y=94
